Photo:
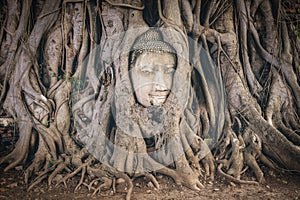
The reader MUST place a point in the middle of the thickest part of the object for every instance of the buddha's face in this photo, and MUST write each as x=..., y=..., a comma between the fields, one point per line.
x=152, y=77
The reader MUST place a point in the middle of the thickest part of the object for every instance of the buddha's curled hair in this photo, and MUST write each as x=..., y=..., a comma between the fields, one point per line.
x=150, y=41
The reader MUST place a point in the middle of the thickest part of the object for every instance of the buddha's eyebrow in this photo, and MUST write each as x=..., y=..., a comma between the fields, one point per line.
x=155, y=65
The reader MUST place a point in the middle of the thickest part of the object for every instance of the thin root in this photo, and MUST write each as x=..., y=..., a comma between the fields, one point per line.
x=233, y=179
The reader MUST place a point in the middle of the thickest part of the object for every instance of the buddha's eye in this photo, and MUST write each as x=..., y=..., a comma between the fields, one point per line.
x=169, y=70
x=147, y=70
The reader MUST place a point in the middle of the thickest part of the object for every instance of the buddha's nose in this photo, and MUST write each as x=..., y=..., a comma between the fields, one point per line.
x=160, y=82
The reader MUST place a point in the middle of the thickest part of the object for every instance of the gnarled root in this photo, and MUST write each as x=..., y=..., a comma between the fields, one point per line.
x=231, y=155
x=252, y=151
x=233, y=179
x=19, y=154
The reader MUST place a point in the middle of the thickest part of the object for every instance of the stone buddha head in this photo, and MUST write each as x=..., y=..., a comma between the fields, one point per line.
x=152, y=66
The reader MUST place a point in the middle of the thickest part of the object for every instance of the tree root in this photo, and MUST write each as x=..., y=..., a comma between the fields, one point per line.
x=106, y=184
x=43, y=175
x=253, y=151
x=251, y=162
x=101, y=173
x=290, y=134
x=234, y=151
x=183, y=175
x=153, y=180
x=38, y=181
x=42, y=157
x=70, y=175
x=122, y=175
x=57, y=170
x=19, y=154
x=233, y=179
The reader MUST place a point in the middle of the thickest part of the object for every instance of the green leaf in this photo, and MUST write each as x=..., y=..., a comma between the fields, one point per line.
x=208, y=140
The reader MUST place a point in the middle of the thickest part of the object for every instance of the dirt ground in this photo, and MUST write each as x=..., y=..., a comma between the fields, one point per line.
x=278, y=185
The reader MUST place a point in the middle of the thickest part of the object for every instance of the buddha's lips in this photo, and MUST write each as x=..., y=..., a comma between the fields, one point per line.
x=158, y=96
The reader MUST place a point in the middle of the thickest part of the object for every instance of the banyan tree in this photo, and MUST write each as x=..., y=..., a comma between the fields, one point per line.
x=117, y=89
